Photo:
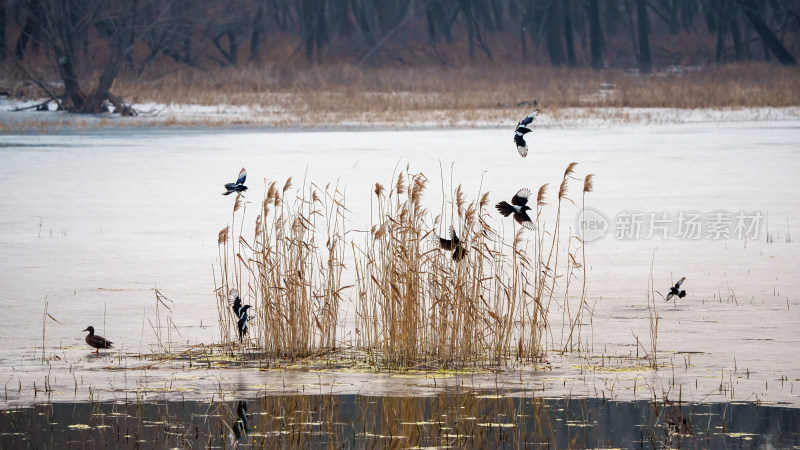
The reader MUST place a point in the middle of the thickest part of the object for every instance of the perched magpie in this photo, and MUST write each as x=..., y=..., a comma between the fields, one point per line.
x=459, y=252
x=238, y=186
x=674, y=290
x=522, y=128
x=242, y=323
x=518, y=208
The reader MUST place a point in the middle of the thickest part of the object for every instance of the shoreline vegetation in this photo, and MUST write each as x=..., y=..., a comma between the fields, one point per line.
x=344, y=96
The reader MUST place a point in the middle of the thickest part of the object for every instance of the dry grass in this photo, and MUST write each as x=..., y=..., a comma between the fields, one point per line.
x=345, y=95
x=353, y=89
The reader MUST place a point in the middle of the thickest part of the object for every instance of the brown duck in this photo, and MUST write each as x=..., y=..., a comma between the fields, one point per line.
x=96, y=341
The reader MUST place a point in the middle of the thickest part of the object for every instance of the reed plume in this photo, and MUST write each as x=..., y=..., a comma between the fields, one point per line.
x=540, y=195
x=588, y=183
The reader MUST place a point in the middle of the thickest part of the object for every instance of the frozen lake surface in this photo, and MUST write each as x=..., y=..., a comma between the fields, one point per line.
x=92, y=221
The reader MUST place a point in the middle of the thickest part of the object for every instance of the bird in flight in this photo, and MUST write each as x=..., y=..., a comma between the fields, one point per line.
x=675, y=290
x=522, y=128
x=518, y=207
x=453, y=244
x=238, y=186
x=96, y=341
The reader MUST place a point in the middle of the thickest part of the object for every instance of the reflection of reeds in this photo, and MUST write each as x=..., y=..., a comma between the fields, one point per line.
x=414, y=303
x=652, y=313
x=450, y=419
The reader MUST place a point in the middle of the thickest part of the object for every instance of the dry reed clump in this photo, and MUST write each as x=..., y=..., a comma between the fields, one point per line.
x=418, y=305
x=347, y=89
x=414, y=303
x=289, y=271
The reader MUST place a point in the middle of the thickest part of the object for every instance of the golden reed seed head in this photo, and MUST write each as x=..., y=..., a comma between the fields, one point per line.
x=400, y=186
x=518, y=237
x=288, y=185
x=223, y=236
x=418, y=190
x=469, y=216
x=562, y=190
x=484, y=200
x=588, y=183
x=379, y=189
x=238, y=203
x=460, y=201
x=258, y=225
x=570, y=169
x=381, y=232
x=541, y=194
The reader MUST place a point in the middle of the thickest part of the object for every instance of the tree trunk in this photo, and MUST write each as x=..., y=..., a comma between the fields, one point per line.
x=233, y=46
x=255, y=35
x=465, y=8
x=569, y=39
x=722, y=30
x=555, y=47
x=673, y=6
x=645, y=61
x=28, y=28
x=767, y=36
x=2, y=31
x=688, y=10
x=737, y=38
x=497, y=12
x=596, y=43
x=709, y=13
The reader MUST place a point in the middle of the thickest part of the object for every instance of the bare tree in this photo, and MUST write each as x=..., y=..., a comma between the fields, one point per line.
x=3, y=43
x=596, y=42
x=113, y=23
x=645, y=60
x=554, y=23
x=768, y=36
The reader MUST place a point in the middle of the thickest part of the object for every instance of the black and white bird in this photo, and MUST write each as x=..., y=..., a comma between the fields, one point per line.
x=522, y=128
x=238, y=186
x=518, y=207
x=240, y=425
x=453, y=244
x=242, y=323
x=241, y=314
x=236, y=303
x=675, y=290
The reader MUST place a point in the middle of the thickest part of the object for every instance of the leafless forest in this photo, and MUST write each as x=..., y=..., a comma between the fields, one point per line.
x=88, y=44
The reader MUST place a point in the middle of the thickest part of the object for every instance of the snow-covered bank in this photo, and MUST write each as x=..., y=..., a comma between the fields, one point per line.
x=280, y=117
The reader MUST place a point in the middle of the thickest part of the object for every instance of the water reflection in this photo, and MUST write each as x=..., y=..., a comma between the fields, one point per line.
x=454, y=419
x=240, y=426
